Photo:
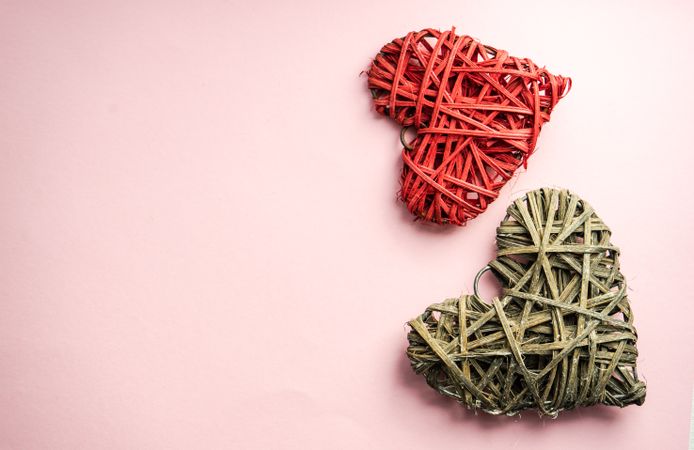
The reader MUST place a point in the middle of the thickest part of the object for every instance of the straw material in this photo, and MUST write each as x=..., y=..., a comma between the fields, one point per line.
x=561, y=335
x=477, y=112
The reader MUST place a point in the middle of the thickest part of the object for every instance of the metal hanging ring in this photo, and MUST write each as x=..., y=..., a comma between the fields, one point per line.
x=477, y=280
x=402, y=138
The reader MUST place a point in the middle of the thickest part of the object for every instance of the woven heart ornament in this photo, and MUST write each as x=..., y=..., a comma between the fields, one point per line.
x=477, y=113
x=560, y=336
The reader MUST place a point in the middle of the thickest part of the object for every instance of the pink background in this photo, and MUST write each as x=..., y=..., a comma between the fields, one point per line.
x=201, y=247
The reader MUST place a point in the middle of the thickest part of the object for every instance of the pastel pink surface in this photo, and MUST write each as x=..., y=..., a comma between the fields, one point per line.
x=201, y=245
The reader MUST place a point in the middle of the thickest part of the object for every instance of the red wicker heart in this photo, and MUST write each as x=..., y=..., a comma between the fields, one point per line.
x=477, y=112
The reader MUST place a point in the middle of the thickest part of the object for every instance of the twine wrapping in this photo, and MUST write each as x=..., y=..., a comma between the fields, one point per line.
x=477, y=112
x=562, y=334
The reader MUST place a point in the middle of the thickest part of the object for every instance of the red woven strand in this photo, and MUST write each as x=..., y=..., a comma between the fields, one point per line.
x=477, y=112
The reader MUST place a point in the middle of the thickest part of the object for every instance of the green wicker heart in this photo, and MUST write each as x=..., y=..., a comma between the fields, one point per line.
x=562, y=333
